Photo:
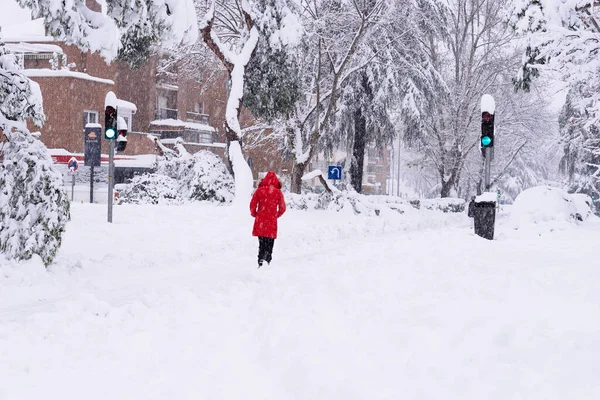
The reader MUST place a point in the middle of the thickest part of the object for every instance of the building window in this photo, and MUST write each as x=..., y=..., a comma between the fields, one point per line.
x=206, y=137
x=373, y=153
x=197, y=108
x=89, y=117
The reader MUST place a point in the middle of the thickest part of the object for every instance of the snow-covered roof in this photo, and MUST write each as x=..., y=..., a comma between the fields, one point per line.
x=168, y=122
x=63, y=73
x=24, y=31
x=177, y=140
x=59, y=152
x=29, y=38
x=198, y=126
x=178, y=123
x=126, y=105
x=33, y=48
x=140, y=161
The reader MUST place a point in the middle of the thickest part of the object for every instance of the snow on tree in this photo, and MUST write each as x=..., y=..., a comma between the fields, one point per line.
x=475, y=56
x=334, y=31
x=181, y=177
x=272, y=75
x=234, y=45
x=34, y=207
x=399, y=73
x=562, y=36
x=580, y=163
x=122, y=28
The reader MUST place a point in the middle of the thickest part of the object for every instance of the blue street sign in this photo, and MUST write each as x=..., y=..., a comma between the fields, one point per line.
x=334, y=172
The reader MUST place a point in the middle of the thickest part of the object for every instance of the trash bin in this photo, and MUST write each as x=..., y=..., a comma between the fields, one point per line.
x=485, y=219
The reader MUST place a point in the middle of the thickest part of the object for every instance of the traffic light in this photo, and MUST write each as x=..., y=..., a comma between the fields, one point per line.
x=487, y=129
x=110, y=123
x=122, y=134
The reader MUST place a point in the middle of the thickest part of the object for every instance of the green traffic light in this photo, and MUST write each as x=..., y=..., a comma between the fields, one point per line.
x=110, y=133
x=486, y=141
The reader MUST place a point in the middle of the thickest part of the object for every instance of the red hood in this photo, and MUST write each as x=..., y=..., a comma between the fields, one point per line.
x=270, y=180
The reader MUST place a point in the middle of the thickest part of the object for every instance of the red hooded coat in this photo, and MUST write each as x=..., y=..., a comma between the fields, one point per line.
x=266, y=206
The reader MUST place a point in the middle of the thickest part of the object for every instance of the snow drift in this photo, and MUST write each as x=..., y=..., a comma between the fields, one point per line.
x=549, y=205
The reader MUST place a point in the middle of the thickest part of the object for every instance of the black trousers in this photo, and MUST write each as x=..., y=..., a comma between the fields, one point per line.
x=265, y=248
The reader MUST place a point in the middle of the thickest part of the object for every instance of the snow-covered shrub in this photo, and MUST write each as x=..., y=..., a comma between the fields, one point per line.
x=34, y=207
x=179, y=178
x=150, y=189
x=209, y=178
x=369, y=205
x=338, y=201
x=446, y=205
x=307, y=201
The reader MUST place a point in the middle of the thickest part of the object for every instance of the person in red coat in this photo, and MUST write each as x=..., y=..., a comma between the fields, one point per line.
x=266, y=206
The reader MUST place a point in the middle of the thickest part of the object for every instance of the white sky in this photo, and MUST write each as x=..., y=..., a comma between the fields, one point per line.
x=12, y=13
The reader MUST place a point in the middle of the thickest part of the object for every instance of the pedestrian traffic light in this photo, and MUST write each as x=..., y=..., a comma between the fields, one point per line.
x=487, y=129
x=122, y=134
x=110, y=123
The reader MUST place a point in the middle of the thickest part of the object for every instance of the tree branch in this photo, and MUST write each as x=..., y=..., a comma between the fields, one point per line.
x=507, y=165
x=207, y=36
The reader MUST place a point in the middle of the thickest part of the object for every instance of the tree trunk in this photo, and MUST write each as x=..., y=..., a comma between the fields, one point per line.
x=448, y=185
x=241, y=171
x=297, y=174
x=446, y=189
x=358, y=151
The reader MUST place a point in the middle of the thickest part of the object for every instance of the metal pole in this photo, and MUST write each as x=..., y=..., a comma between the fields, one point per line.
x=398, y=174
x=73, y=187
x=111, y=161
x=92, y=185
x=391, y=173
x=487, y=168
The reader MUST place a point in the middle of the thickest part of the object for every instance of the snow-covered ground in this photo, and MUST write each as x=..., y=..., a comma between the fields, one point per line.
x=167, y=303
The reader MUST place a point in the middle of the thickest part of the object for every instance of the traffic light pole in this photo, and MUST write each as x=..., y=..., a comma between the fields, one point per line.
x=110, y=133
x=487, y=169
x=111, y=169
x=488, y=109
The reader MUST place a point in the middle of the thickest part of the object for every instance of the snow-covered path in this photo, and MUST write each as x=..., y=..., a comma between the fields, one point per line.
x=413, y=310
